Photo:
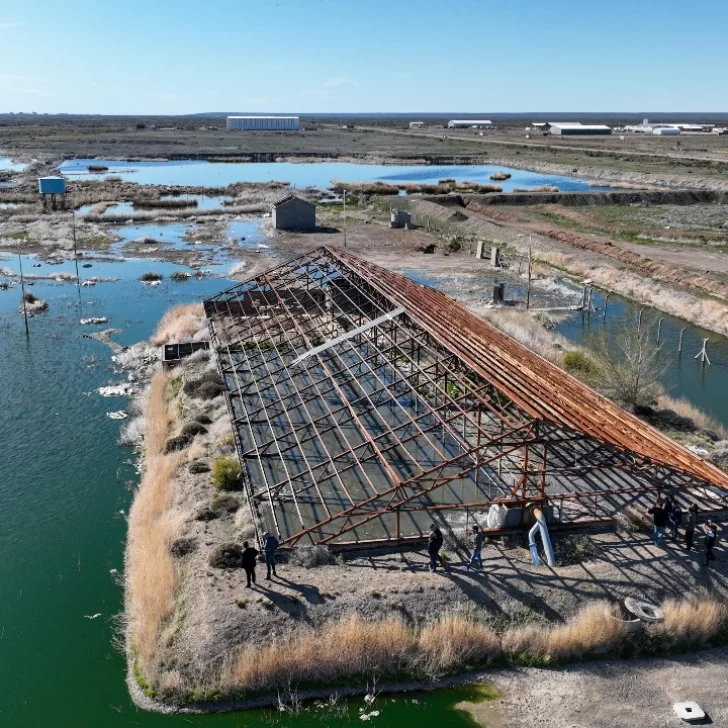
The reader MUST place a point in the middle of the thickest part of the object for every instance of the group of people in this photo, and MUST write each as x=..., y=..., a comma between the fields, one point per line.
x=665, y=514
x=250, y=558
x=435, y=541
x=668, y=513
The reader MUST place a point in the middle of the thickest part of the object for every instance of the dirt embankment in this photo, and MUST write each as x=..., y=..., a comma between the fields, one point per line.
x=578, y=199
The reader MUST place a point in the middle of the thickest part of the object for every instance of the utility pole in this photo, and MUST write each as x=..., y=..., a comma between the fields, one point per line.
x=528, y=289
x=22, y=293
x=344, y=217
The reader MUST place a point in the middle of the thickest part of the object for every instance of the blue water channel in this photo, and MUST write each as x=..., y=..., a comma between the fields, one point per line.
x=7, y=165
x=321, y=175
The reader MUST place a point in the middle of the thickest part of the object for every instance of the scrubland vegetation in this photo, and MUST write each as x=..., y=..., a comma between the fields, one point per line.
x=355, y=649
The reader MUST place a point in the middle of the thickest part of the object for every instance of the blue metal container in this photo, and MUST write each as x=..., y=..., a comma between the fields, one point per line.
x=51, y=185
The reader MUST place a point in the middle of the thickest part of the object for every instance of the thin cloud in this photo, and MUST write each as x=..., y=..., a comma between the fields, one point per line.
x=10, y=77
x=334, y=82
x=9, y=24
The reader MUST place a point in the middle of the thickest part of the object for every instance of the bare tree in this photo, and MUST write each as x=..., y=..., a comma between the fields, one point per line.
x=629, y=365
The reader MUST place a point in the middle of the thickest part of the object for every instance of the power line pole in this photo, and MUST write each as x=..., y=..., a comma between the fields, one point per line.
x=22, y=293
x=344, y=218
x=528, y=289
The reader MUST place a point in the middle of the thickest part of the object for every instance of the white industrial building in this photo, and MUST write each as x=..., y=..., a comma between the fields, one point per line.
x=263, y=123
x=573, y=128
x=416, y=124
x=470, y=124
x=669, y=129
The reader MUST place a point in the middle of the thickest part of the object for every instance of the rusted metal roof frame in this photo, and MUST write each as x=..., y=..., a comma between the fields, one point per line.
x=460, y=346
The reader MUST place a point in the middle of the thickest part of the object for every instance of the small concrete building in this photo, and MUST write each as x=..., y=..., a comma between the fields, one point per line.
x=416, y=124
x=576, y=128
x=399, y=218
x=293, y=213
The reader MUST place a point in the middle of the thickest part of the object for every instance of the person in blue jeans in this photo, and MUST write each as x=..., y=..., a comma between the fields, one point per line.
x=476, y=557
x=659, y=521
x=270, y=545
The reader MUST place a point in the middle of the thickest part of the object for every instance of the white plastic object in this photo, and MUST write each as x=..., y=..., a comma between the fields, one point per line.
x=689, y=711
x=644, y=610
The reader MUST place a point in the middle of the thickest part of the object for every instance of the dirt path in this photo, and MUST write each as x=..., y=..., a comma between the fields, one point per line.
x=613, y=694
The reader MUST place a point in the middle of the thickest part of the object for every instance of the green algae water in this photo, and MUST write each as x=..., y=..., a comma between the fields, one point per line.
x=65, y=488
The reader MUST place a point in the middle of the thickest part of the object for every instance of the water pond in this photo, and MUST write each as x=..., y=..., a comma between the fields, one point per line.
x=7, y=165
x=321, y=175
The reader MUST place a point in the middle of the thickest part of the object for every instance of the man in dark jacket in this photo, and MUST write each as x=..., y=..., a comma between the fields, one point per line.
x=434, y=544
x=249, y=557
x=659, y=520
x=270, y=544
x=674, y=517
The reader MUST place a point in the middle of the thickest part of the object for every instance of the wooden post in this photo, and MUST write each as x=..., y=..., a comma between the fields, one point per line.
x=679, y=343
x=528, y=289
x=659, y=329
x=606, y=303
x=22, y=293
x=639, y=320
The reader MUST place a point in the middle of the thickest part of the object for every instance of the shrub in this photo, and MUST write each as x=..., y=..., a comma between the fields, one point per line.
x=224, y=503
x=579, y=363
x=226, y=474
x=198, y=466
x=193, y=428
x=227, y=556
x=151, y=276
x=177, y=443
x=28, y=297
x=311, y=556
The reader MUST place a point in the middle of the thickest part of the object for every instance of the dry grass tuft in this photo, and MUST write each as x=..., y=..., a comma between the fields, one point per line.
x=685, y=408
x=531, y=331
x=591, y=630
x=179, y=324
x=354, y=647
x=528, y=639
x=455, y=640
x=691, y=622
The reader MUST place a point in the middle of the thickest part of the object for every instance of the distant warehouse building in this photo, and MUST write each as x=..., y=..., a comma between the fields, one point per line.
x=470, y=124
x=416, y=124
x=575, y=128
x=293, y=213
x=263, y=123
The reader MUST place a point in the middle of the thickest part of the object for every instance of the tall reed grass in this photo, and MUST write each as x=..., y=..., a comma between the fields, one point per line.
x=153, y=524
x=180, y=323
x=685, y=408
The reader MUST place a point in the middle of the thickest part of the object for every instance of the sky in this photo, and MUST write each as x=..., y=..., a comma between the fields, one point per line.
x=309, y=56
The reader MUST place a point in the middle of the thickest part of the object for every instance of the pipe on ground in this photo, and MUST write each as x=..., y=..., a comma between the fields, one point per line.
x=540, y=525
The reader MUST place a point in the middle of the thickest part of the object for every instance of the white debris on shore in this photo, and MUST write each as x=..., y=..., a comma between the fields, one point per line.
x=94, y=320
x=116, y=390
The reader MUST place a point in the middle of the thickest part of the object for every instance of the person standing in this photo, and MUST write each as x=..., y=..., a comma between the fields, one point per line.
x=674, y=517
x=659, y=521
x=249, y=557
x=476, y=556
x=270, y=545
x=434, y=544
x=711, y=534
x=691, y=520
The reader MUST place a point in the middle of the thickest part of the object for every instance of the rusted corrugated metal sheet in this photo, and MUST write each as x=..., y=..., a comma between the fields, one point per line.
x=534, y=384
